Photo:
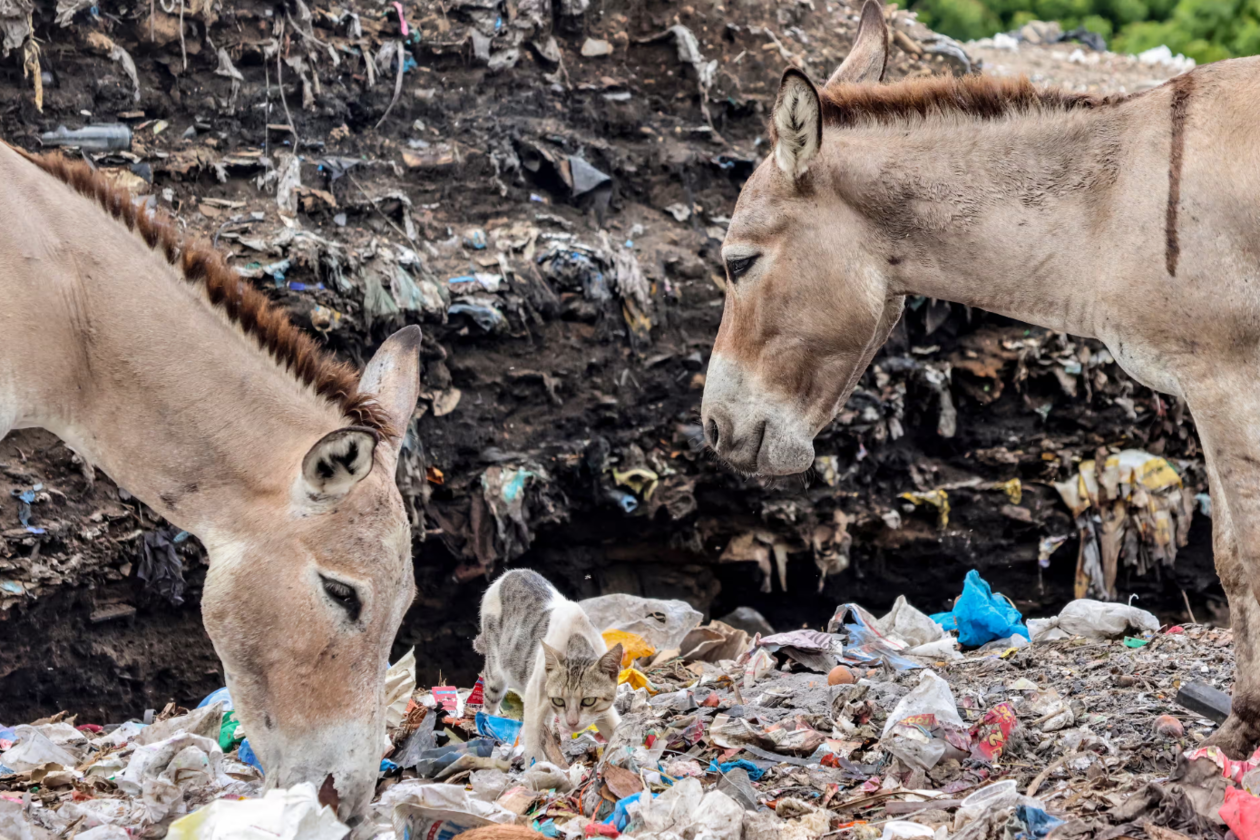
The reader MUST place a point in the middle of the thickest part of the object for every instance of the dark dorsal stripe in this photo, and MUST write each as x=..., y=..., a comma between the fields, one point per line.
x=978, y=97
x=1182, y=87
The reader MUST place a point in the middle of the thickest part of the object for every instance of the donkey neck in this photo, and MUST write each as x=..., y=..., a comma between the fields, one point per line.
x=1018, y=216
x=136, y=370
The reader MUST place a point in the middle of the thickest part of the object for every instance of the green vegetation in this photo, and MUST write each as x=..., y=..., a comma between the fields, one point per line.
x=1205, y=30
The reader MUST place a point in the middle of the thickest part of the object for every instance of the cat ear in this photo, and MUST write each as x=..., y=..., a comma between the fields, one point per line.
x=552, y=657
x=610, y=663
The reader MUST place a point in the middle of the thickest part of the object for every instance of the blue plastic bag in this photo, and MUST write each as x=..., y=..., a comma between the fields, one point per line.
x=502, y=729
x=219, y=696
x=1036, y=821
x=865, y=645
x=980, y=616
x=246, y=754
x=754, y=772
x=620, y=817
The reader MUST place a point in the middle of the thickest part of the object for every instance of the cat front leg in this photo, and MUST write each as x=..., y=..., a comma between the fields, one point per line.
x=532, y=737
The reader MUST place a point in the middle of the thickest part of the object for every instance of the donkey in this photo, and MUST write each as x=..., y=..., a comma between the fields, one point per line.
x=1133, y=219
x=156, y=362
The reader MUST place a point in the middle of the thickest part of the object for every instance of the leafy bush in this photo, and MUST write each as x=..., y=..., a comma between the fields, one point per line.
x=1205, y=30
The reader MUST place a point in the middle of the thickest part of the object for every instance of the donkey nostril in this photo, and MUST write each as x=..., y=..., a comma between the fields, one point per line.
x=713, y=433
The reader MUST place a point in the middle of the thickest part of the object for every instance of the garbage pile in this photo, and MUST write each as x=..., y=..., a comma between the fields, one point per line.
x=876, y=727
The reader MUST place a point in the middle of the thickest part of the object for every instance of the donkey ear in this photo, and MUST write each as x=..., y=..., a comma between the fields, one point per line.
x=797, y=123
x=393, y=376
x=868, y=59
x=610, y=663
x=336, y=463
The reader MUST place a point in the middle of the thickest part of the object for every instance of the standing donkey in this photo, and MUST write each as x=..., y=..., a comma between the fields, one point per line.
x=156, y=362
x=1135, y=220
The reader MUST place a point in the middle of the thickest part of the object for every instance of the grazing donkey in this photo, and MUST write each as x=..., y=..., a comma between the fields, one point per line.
x=158, y=363
x=1135, y=220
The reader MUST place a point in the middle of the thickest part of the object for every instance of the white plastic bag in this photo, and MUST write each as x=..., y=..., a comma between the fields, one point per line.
x=909, y=625
x=664, y=624
x=686, y=810
x=930, y=696
x=443, y=810
x=1096, y=620
x=33, y=750
x=293, y=814
x=1004, y=794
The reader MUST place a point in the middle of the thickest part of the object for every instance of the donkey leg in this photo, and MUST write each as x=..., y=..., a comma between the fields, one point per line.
x=1240, y=733
x=1228, y=420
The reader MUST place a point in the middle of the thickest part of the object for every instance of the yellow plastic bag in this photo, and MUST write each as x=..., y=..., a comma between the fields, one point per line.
x=633, y=646
x=636, y=680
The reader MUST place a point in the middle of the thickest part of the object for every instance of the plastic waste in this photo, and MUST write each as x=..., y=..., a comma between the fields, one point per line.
x=981, y=616
x=92, y=138
x=1241, y=812
x=754, y=772
x=714, y=642
x=34, y=750
x=484, y=316
x=104, y=832
x=400, y=683
x=432, y=762
x=945, y=648
x=903, y=830
x=909, y=625
x=205, y=720
x=866, y=644
x=292, y=814
x=1094, y=620
x=247, y=756
x=174, y=757
x=621, y=814
x=662, y=624
x=686, y=810
x=543, y=776
x=502, y=729
x=909, y=730
x=1037, y=823
x=488, y=785
x=1004, y=794
x=633, y=646
x=442, y=811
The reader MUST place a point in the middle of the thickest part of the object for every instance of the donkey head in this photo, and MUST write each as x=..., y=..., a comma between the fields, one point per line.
x=804, y=297
x=303, y=614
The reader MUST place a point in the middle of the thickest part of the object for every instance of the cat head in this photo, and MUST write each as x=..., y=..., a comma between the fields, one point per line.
x=580, y=685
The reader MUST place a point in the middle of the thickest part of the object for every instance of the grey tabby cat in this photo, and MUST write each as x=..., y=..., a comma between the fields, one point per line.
x=542, y=646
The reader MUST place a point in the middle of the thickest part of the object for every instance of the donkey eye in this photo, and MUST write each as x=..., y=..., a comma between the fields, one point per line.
x=587, y=702
x=558, y=702
x=343, y=595
x=739, y=265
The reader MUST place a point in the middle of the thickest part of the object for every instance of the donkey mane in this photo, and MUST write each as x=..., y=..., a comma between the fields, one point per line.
x=244, y=305
x=977, y=97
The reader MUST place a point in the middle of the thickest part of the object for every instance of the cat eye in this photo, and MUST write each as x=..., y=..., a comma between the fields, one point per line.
x=558, y=702
x=587, y=702
x=343, y=595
